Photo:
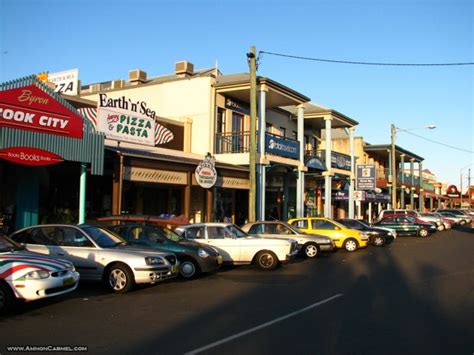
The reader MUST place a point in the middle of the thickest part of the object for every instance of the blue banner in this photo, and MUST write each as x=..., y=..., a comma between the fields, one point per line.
x=282, y=147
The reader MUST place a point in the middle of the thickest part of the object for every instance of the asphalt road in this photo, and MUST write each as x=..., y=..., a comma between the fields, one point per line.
x=415, y=296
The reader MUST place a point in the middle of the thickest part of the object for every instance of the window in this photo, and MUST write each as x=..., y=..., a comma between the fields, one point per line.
x=71, y=237
x=314, y=143
x=283, y=131
x=294, y=135
x=220, y=123
x=217, y=233
x=318, y=224
x=280, y=229
x=257, y=229
x=195, y=233
x=300, y=224
x=41, y=236
x=268, y=127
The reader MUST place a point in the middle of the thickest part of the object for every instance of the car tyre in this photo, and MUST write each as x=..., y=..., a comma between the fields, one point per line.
x=119, y=278
x=311, y=250
x=188, y=268
x=266, y=260
x=423, y=232
x=351, y=245
x=462, y=222
x=378, y=241
x=441, y=227
x=7, y=299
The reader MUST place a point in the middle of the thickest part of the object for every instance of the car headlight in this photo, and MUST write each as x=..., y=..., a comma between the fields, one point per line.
x=364, y=235
x=328, y=240
x=202, y=253
x=154, y=260
x=72, y=268
x=37, y=275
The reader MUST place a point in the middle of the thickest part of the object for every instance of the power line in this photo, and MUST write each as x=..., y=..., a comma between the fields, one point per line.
x=366, y=63
x=443, y=144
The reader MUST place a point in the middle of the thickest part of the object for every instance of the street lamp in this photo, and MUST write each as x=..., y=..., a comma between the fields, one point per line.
x=393, y=134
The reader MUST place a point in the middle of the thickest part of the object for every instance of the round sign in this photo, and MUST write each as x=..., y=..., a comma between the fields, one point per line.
x=206, y=174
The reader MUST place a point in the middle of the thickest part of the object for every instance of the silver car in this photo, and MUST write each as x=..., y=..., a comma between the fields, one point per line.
x=99, y=254
x=310, y=245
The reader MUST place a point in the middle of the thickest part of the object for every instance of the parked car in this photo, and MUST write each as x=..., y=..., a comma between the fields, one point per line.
x=194, y=258
x=460, y=216
x=343, y=237
x=29, y=276
x=237, y=247
x=448, y=223
x=99, y=254
x=415, y=214
x=378, y=236
x=406, y=226
x=309, y=245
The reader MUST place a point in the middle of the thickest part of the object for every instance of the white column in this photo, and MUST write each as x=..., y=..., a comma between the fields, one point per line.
x=300, y=182
x=352, y=177
x=327, y=177
x=262, y=109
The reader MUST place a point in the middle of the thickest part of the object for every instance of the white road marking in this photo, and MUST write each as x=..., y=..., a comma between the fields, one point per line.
x=261, y=326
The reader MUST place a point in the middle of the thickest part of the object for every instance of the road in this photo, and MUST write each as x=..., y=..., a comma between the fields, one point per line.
x=415, y=296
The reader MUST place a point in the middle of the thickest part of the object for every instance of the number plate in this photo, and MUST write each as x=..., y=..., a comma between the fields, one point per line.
x=68, y=281
x=219, y=259
x=174, y=269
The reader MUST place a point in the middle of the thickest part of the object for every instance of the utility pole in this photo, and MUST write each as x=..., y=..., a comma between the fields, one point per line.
x=393, y=132
x=253, y=133
x=469, y=187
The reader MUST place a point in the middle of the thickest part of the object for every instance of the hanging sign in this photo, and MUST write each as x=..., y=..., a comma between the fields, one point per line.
x=30, y=108
x=30, y=156
x=366, y=177
x=206, y=174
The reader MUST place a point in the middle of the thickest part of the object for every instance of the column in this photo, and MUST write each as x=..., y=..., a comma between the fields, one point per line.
x=327, y=174
x=300, y=181
x=82, y=194
x=187, y=196
x=390, y=178
x=402, y=181
x=420, y=181
x=261, y=169
x=352, y=177
x=412, y=190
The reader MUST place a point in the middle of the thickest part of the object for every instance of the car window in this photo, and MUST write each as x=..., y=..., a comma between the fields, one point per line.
x=302, y=223
x=257, y=229
x=40, y=236
x=120, y=230
x=280, y=229
x=388, y=220
x=71, y=237
x=155, y=234
x=137, y=234
x=103, y=237
x=217, y=233
x=326, y=225
x=351, y=224
x=195, y=233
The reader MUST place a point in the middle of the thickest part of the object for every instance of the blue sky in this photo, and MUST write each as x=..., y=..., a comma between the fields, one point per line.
x=105, y=39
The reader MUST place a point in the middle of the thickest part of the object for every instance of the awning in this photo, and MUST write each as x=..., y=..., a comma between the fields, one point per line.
x=315, y=164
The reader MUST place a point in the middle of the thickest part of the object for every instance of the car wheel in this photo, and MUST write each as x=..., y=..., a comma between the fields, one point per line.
x=188, y=268
x=311, y=250
x=6, y=298
x=423, y=232
x=441, y=227
x=378, y=241
x=266, y=260
x=350, y=245
x=119, y=278
x=462, y=222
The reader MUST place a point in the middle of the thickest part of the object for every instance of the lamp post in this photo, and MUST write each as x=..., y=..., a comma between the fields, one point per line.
x=393, y=135
x=469, y=186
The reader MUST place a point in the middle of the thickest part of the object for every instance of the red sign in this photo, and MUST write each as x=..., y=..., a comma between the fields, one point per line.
x=32, y=109
x=30, y=156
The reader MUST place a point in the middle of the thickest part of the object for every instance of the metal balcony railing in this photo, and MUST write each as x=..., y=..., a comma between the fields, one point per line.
x=232, y=142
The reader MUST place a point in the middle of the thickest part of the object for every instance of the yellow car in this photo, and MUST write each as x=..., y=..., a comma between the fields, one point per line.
x=343, y=237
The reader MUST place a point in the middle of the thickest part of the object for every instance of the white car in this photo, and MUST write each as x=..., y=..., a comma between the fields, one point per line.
x=237, y=247
x=30, y=276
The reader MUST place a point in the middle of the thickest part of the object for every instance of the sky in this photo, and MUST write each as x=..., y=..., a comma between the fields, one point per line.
x=105, y=39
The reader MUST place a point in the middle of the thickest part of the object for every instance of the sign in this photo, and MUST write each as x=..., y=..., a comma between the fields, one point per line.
x=452, y=191
x=206, y=174
x=121, y=125
x=340, y=161
x=133, y=173
x=366, y=177
x=359, y=195
x=281, y=147
x=237, y=106
x=67, y=82
x=30, y=156
x=30, y=108
x=371, y=196
x=126, y=104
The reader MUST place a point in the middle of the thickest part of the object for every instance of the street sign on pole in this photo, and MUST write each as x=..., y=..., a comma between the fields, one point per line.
x=366, y=178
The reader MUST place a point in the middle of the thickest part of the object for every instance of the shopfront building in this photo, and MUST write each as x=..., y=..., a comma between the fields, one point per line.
x=47, y=153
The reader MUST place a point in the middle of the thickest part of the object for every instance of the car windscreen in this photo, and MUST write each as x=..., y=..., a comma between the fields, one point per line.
x=7, y=244
x=103, y=237
x=167, y=233
x=236, y=231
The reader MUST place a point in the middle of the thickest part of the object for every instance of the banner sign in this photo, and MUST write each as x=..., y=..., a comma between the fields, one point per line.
x=30, y=108
x=340, y=161
x=206, y=174
x=120, y=125
x=67, y=82
x=371, y=196
x=30, y=156
x=282, y=147
x=366, y=177
x=237, y=106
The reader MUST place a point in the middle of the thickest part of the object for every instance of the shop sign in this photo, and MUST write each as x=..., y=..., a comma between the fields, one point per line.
x=366, y=177
x=359, y=195
x=341, y=195
x=123, y=103
x=121, y=125
x=282, y=147
x=371, y=196
x=30, y=156
x=30, y=108
x=237, y=106
x=206, y=174
x=452, y=191
x=67, y=82
x=340, y=161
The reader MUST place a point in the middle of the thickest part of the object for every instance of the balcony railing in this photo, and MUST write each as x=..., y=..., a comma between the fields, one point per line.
x=232, y=142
